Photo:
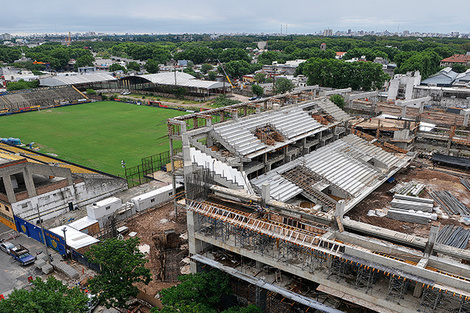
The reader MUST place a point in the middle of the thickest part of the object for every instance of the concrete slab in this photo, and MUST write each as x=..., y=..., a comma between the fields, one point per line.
x=65, y=269
x=353, y=299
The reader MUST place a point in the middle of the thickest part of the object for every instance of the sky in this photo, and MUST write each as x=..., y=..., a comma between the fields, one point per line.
x=240, y=16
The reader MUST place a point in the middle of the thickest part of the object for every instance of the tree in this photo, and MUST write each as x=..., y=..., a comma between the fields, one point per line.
x=90, y=92
x=122, y=265
x=257, y=90
x=283, y=85
x=152, y=66
x=338, y=100
x=134, y=66
x=84, y=60
x=260, y=78
x=212, y=75
x=459, y=68
x=46, y=296
x=206, y=68
x=22, y=84
x=207, y=288
x=117, y=67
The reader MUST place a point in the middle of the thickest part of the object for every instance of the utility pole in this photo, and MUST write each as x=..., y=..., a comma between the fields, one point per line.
x=43, y=235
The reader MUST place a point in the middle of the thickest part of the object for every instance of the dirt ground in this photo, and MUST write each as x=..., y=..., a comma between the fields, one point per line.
x=435, y=179
x=149, y=225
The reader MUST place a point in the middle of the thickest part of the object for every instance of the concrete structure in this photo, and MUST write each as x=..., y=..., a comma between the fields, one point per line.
x=33, y=184
x=401, y=86
x=287, y=68
x=267, y=189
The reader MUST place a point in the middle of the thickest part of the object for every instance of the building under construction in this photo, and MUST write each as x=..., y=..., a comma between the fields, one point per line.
x=268, y=184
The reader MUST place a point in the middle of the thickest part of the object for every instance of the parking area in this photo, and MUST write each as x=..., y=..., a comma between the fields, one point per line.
x=12, y=274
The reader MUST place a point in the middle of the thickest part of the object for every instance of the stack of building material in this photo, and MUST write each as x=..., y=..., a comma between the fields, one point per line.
x=411, y=209
x=409, y=188
x=411, y=216
x=466, y=183
x=417, y=204
x=449, y=203
x=455, y=236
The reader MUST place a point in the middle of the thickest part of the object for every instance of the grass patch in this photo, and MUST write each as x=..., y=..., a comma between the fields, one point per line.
x=98, y=135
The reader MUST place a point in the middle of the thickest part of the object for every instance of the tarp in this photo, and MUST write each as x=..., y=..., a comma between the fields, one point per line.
x=451, y=160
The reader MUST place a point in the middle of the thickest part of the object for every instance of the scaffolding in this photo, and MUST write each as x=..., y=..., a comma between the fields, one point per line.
x=396, y=288
x=430, y=300
x=365, y=277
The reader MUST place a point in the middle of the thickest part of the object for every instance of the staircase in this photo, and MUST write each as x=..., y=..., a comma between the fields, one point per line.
x=223, y=173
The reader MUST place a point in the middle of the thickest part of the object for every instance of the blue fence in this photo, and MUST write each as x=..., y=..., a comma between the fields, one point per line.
x=53, y=240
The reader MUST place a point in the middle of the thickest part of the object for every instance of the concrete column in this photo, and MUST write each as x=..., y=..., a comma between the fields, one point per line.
x=9, y=188
x=403, y=111
x=465, y=120
x=265, y=193
x=193, y=246
x=29, y=182
x=235, y=115
x=432, y=238
x=261, y=298
x=421, y=108
x=419, y=286
x=339, y=211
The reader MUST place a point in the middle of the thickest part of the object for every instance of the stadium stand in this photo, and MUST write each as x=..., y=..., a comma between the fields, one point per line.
x=30, y=99
x=15, y=153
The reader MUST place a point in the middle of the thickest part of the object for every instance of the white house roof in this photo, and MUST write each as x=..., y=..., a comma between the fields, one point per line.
x=83, y=223
x=75, y=79
x=75, y=239
x=181, y=79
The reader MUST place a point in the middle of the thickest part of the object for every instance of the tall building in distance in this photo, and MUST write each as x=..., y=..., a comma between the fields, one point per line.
x=328, y=32
x=6, y=36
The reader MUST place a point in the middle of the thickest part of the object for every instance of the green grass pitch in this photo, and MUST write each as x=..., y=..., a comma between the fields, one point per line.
x=98, y=135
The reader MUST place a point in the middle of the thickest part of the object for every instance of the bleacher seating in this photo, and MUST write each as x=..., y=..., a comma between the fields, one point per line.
x=42, y=97
x=15, y=153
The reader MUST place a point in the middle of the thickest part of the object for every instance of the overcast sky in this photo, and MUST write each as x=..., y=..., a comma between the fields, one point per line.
x=255, y=16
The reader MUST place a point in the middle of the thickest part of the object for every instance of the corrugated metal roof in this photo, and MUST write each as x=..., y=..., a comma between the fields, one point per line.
x=75, y=79
x=444, y=77
x=181, y=79
x=75, y=239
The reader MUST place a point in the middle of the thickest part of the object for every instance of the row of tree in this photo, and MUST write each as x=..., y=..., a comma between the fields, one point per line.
x=339, y=74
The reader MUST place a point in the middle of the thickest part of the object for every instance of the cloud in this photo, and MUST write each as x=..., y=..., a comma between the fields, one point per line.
x=189, y=16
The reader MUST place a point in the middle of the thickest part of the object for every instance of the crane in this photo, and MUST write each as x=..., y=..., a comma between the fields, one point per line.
x=225, y=73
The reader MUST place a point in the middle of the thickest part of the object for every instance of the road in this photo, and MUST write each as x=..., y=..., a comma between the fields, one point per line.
x=12, y=274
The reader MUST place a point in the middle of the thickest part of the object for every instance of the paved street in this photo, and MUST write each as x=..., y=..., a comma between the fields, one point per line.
x=12, y=274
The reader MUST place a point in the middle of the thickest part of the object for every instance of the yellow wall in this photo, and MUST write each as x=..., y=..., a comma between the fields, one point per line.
x=6, y=216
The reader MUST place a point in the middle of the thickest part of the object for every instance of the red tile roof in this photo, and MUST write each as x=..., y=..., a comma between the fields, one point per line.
x=457, y=58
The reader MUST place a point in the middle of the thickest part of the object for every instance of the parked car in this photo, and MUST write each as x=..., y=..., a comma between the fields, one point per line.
x=6, y=246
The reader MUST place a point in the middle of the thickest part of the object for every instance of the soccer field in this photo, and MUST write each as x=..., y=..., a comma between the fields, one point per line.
x=98, y=135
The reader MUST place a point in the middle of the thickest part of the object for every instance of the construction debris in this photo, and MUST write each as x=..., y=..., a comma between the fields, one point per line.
x=454, y=236
x=268, y=135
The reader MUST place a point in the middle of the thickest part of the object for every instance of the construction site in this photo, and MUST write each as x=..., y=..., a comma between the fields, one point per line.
x=309, y=208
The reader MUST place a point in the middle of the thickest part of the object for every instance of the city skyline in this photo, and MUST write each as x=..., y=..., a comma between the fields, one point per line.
x=183, y=16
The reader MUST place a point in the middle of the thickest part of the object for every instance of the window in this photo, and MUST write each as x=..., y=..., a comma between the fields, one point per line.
x=152, y=200
x=24, y=205
x=108, y=207
x=7, y=209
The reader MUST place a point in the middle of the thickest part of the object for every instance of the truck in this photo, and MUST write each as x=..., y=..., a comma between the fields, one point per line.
x=22, y=255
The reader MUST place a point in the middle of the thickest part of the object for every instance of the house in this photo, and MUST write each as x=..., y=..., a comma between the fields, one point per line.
x=463, y=59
